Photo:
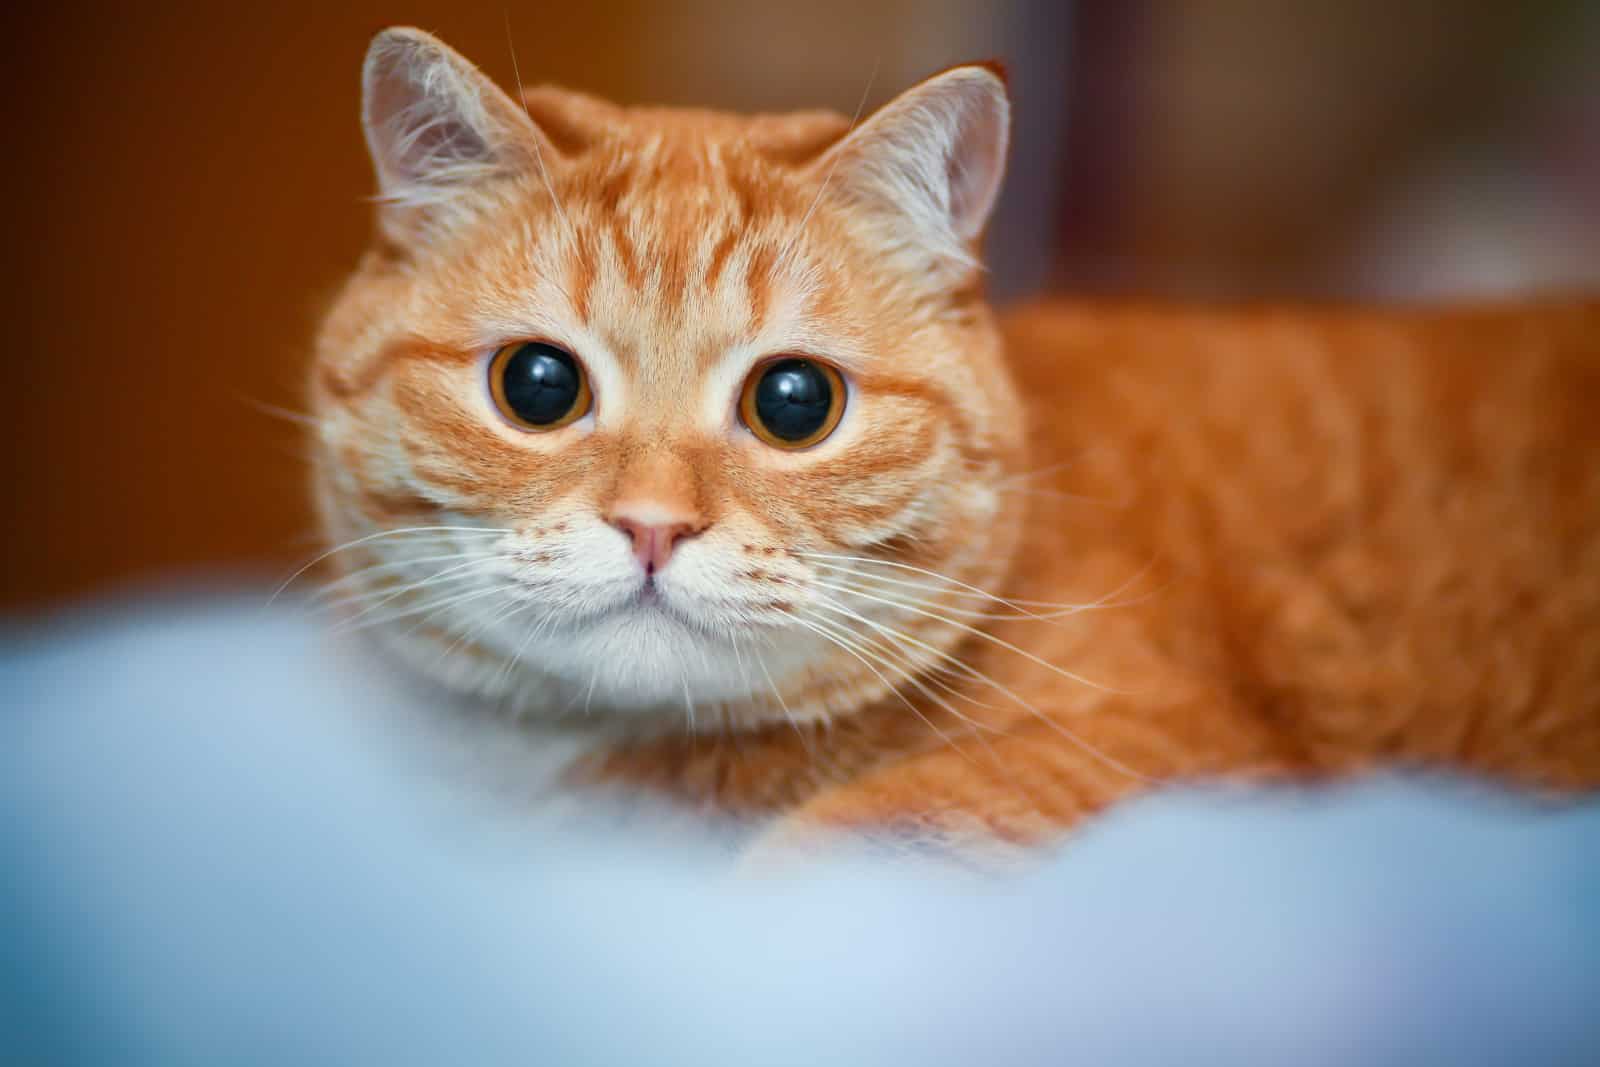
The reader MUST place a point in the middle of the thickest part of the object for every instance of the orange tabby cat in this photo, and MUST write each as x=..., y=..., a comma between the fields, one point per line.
x=698, y=426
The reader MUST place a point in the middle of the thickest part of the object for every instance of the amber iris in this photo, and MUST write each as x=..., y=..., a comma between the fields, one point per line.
x=538, y=386
x=792, y=403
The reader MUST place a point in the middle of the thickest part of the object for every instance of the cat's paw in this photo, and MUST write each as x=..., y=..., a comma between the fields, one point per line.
x=862, y=823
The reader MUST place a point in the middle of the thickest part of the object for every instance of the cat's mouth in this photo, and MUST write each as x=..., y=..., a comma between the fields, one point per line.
x=657, y=604
x=650, y=600
x=654, y=602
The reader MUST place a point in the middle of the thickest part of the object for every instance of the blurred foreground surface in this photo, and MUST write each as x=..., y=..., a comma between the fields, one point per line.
x=204, y=862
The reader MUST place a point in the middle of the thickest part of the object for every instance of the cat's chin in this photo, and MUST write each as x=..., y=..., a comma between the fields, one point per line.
x=641, y=662
x=648, y=659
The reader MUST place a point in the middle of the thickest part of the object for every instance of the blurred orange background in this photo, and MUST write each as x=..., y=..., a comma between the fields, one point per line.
x=185, y=189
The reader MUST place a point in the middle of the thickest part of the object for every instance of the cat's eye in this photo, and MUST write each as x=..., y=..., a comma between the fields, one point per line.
x=792, y=403
x=538, y=386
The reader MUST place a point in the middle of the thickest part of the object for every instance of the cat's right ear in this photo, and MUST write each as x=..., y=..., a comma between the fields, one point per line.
x=925, y=169
x=436, y=127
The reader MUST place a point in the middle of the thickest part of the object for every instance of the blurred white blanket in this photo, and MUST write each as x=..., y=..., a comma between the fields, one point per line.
x=205, y=863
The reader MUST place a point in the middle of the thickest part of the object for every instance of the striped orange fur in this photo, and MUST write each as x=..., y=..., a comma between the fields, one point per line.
x=1044, y=561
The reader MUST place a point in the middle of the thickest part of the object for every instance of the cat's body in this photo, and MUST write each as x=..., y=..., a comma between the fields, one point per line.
x=1327, y=541
x=1018, y=569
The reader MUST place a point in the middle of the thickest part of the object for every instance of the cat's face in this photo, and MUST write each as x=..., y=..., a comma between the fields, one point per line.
x=659, y=412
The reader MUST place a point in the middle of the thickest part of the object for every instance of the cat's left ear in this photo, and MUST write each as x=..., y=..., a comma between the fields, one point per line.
x=925, y=169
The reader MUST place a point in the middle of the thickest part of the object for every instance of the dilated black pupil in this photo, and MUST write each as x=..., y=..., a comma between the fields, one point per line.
x=540, y=383
x=793, y=398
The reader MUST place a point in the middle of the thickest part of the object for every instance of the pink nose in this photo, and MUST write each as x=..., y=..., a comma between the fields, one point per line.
x=653, y=542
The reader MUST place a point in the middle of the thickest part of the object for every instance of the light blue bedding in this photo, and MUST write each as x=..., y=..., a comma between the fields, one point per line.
x=202, y=866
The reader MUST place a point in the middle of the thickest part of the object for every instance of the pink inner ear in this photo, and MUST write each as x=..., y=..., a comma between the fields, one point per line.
x=976, y=161
x=432, y=119
x=417, y=130
x=427, y=146
x=930, y=162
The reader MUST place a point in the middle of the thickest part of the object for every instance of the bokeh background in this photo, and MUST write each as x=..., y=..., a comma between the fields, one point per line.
x=184, y=188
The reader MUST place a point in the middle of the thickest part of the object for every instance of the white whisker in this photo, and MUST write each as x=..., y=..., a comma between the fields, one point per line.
x=978, y=675
x=805, y=741
x=830, y=560
x=355, y=577
x=827, y=178
x=400, y=531
x=913, y=672
x=890, y=687
x=1023, y=608
x=298, y=417
x=688, y=701
x=538, y=152
x=503, y=674
x=439, y=577
x=982, y=635
x=427, y=608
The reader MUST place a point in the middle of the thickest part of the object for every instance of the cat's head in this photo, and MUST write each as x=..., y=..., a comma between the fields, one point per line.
x=666, y=412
